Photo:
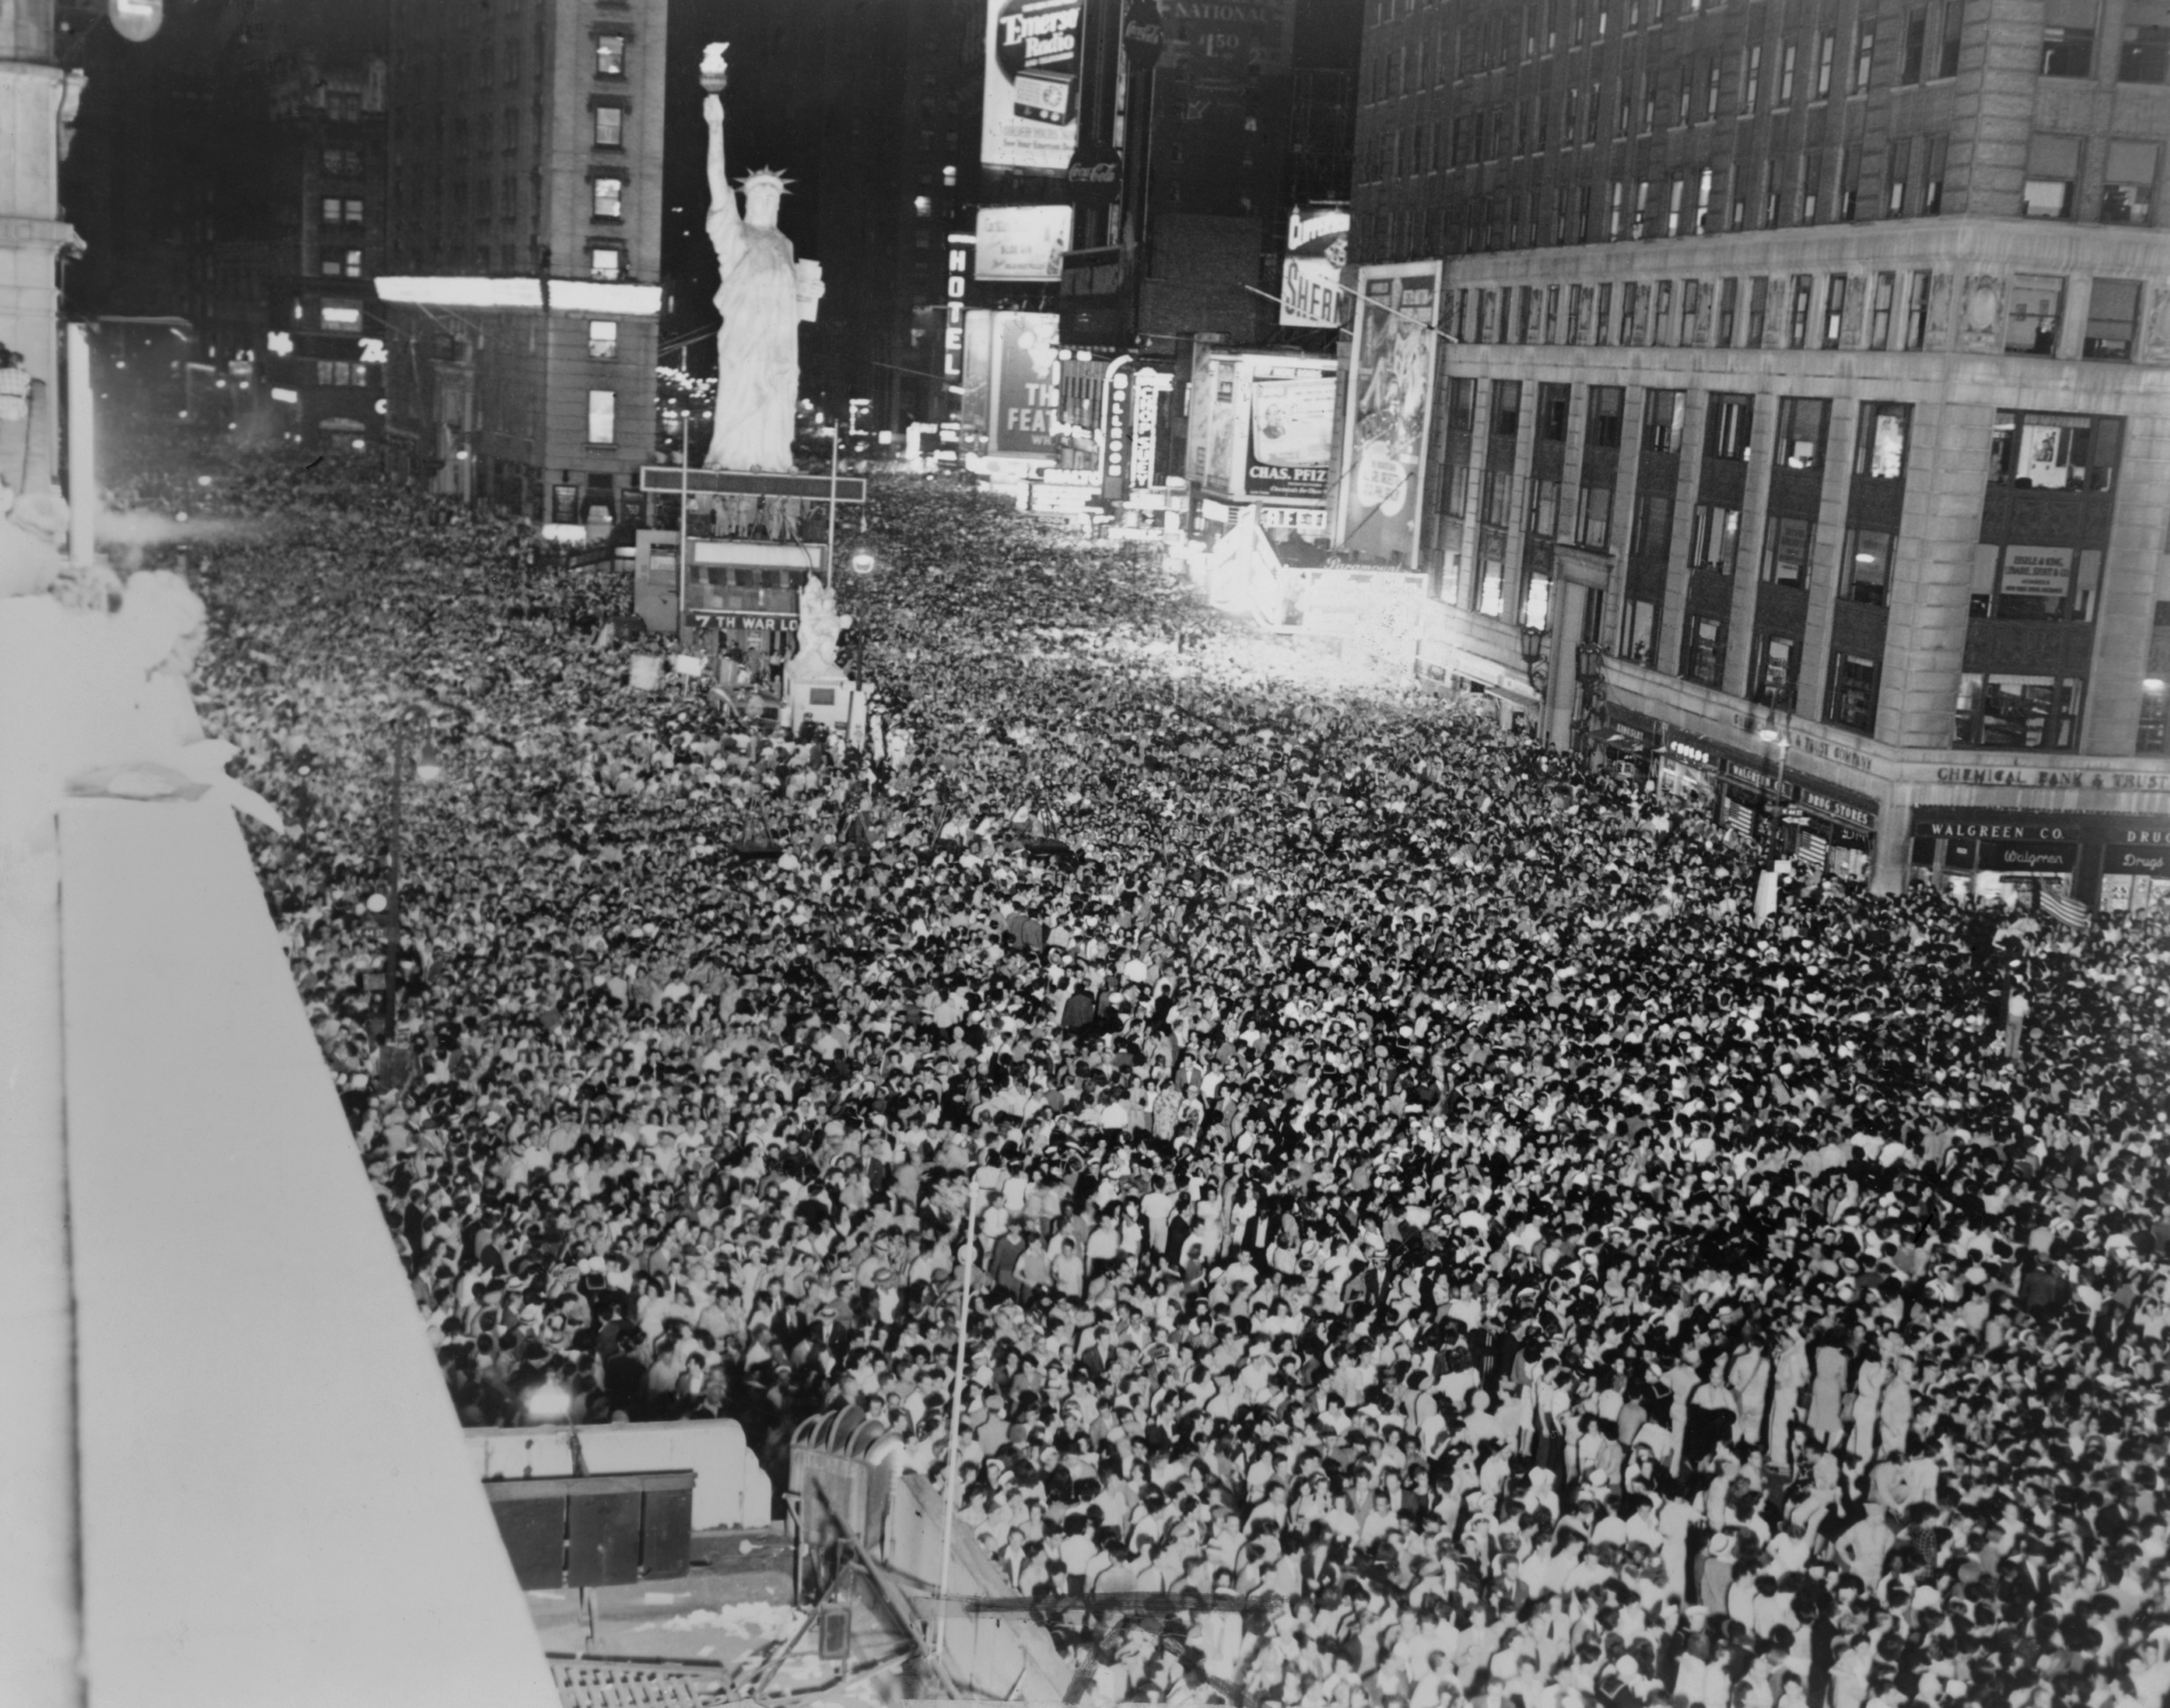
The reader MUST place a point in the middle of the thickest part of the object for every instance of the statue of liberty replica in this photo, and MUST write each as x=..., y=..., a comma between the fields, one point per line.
x=763, y=293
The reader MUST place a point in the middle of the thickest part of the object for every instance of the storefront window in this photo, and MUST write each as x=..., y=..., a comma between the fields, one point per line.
x=2017, y=711
x=1867, y=570
x=1851, y=701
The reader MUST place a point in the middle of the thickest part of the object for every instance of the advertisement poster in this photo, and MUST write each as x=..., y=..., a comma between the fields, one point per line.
x=1226, y=63
x=1389, y=417
x=975, y=406
x=1311, y=270
x=1024, y=244
x=1292, y=437
x=1028, y=118
x=1027, y=395
x=2038, y=572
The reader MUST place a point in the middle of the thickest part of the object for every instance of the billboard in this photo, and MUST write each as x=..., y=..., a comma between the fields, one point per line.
x=1311, y=269
x=1023, y=244
x=1027, y=396
x=1291, y=436
x=1029, y=115
x=976, y=402
x=1222, y=77
x=1389, y=419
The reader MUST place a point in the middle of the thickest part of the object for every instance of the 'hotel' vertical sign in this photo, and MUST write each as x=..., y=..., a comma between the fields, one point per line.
x=958, y=271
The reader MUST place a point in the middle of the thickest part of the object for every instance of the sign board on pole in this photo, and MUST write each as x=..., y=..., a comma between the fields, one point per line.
x=1029, y=115
x=1311, y=271
x=1388, y=425
x=1023, y=245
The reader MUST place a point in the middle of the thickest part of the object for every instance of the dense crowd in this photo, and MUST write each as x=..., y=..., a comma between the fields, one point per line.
x=1412, y=1196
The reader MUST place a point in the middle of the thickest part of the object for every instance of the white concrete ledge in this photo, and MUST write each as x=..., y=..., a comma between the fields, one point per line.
x=277, y=1507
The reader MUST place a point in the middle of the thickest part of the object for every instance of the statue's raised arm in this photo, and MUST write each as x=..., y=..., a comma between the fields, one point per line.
x=725, y=232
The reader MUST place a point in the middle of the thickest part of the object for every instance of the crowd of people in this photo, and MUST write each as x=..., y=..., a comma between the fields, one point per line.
x=1416, y=1208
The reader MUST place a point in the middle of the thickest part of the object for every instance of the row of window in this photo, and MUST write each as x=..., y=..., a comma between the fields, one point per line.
x=2051, y=189
x=2069, y=31
x=1929, y=45
x=1800, y=310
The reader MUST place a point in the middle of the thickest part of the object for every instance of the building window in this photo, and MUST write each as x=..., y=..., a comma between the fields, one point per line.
x=1917, y=311
x=1543, y=518
x=1492, y=574
x=1728, y=303
x=1947, y=58
x=1864, y=57
x=2144, y=55
x=1805, y=300
x=342, y=163
x=2051, y=189
x=1607, y=404
x=1787, y=61
x=1665, y=416
x=338, y=316
x=1879, y=311
x=1638, y=628
x=1789, y=545
x=1777, y=666
x=602, y=417
x=1732, y=419
x=610, y=127
x=2154, y=716
x=606, y=261
x=602, y=340
x=1826, y=57
x=2113, y=321
x=1506, y=409
x=1650, y=534
x=608, y=197
x=1850, y=701
x=1866, y=574
x=2129, y=182
x=340, y=264
x=1714, y=539
x=1537, y=598
x=2068, y=39
x=342, y=210
x=1498, y=484
x=2036, y=584
x=610, y=56
x=1935, y=149
x=1594, y=525
x=1703, y=658
x=1553, y=403
x=2055, y=454
x=1880, y=451
x=1834, y=310
x=1802, y=424
x=1752, y=78
x=2035, y=310
x=1604, y=314
x=1461, y=406
x=2017, y=711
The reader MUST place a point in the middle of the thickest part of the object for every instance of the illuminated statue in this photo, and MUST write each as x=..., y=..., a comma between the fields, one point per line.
x=757, y=345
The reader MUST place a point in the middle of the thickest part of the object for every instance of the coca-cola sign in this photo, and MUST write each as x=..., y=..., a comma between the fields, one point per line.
x=1095, y=173
x=1143, y=37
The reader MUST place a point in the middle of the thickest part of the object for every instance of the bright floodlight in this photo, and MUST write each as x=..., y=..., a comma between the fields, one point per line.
x=862, y=562
x=549, y=1404
x=376, y=903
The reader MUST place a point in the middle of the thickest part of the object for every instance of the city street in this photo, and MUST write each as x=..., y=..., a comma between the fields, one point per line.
x=1413, y=1186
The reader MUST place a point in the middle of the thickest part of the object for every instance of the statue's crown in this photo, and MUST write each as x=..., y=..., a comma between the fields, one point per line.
x=766, y=178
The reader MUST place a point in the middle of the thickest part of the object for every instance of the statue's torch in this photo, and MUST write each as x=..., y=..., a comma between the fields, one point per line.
x=714, y=73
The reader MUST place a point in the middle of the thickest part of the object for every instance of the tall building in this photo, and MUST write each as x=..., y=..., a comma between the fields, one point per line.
x=521, y=292
x=37, y=105
x=1805, y=363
